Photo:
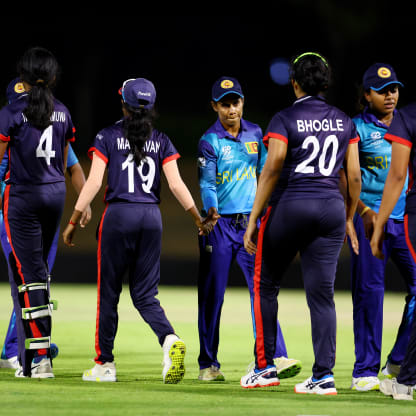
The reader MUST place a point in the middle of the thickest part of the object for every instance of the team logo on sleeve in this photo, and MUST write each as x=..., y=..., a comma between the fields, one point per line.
x=384, y=72
x=226, y=84
x=252, y=147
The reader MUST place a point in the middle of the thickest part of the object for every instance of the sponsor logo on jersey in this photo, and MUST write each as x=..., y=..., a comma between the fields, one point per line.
x=252, y=147
x=384, y=72
x=227, y=84
x=226, y=152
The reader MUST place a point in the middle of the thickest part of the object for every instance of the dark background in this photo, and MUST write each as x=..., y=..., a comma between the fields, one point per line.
x=183, y=55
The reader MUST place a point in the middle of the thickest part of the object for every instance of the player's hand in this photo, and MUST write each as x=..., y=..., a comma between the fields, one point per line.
x=250, y=236
x=369, y=221
x=86, y=217
x=68, y=235
x=350, y=231
x=376, y=243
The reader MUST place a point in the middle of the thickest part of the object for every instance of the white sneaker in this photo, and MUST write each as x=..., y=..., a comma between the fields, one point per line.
x=174, y=350
x=390, y=387
x=212, y=373
x=263, y=378
x=101, y=372
x=287, y=367
x=324, y=386
x=365, y=383
x=11, y=362
x=19, y=372
x=43, y=369
x=391, y=370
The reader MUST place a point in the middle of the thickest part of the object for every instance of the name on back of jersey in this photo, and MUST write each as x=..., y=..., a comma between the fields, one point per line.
x=306, y=126
x=150, y=146
x=58, y=116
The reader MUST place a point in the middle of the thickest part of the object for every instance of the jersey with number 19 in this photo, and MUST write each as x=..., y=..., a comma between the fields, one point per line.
x=126, y=181
x=317, y=135
x=35, y=156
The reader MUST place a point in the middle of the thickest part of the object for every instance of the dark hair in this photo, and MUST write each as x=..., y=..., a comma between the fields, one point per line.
x=39, y=68
x=312, y=72
x=137, y=128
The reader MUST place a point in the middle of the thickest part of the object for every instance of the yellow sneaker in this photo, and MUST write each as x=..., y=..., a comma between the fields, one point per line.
x=287, y=367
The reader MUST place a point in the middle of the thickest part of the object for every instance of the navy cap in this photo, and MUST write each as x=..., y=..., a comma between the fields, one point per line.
x=224, y=86
x=138, y=93
x=14, y=90
x=379, y=76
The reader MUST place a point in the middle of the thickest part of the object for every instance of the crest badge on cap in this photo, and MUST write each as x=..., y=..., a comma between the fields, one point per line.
x=227, y=83
x=19, y=88
x=384, y=72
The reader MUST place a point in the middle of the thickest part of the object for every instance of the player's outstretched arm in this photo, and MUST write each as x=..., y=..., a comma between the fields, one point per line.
x=182, y=194
x=86, y=196
x=400, y=155
x=267, y=181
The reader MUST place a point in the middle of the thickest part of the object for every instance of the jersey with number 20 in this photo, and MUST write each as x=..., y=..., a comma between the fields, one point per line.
x=126, y=181
x=35, y=156
x=317, y=137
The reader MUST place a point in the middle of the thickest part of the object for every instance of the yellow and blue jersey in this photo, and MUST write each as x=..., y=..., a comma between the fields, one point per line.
x=375, y=156
x=228, y=167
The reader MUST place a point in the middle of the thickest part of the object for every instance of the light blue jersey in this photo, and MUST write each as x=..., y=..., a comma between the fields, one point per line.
x=375, y=156
x=228, y=167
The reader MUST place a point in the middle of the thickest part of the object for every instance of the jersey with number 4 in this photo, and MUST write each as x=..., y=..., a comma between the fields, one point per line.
x=35, y=156
x=317, y=137
x=127, y=181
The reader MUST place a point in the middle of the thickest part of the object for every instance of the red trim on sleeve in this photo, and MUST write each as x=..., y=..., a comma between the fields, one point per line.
x=392, y=138
x=273, y=136
x=355, y=140
x=4, y=138
x=92, y=150
x=173, y=157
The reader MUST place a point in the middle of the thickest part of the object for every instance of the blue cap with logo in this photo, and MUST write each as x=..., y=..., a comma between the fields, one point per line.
x=14, y=90
x=138, y=93
x=378, y=76
x=224, y=86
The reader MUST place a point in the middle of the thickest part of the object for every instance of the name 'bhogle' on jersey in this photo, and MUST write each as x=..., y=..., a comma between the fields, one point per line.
x=127, y=182
x=317, y=135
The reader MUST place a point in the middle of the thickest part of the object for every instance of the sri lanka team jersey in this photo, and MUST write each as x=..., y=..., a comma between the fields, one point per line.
x=375, y=156
x=317, y=136
x=228, y=167
x=35, y=156
x=125, y=180
x=403, y=130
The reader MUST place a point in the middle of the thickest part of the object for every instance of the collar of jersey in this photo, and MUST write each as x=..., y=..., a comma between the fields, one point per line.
x=222, y=133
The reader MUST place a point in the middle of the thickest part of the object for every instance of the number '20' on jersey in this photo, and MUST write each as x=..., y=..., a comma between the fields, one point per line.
x=126, y=181
x=317, y=136
x=35, y=156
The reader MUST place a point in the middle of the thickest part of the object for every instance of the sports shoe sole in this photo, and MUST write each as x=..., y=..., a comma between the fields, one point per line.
x=176, y=369
x=274, y=383
x=290, y=371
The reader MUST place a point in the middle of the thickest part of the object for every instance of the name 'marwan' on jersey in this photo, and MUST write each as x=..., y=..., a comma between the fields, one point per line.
x=320, y=125
x=56, y=116
x=150, y=146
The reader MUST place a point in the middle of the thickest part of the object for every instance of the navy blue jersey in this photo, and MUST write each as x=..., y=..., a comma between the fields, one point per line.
x=403, y=130
x=126, y=181
x=35, y=156
x=317, y=136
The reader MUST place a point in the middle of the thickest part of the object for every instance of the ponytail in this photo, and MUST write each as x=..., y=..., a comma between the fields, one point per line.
x=39, y=68
x=137, y=128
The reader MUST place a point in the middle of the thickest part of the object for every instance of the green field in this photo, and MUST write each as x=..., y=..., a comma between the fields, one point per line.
x=140, y=390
